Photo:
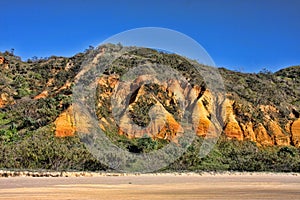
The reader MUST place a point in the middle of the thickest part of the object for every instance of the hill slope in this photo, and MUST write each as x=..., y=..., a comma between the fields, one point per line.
x=36, y=108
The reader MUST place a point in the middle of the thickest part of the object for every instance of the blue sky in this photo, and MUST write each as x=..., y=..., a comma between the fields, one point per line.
x=243, y=35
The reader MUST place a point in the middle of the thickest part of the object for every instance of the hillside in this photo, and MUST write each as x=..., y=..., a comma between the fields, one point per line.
x=259, y=117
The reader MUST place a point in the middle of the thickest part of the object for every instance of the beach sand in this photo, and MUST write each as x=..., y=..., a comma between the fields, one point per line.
x=154, y=186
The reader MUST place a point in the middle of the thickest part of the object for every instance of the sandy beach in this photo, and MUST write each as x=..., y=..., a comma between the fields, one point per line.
x=154, y=186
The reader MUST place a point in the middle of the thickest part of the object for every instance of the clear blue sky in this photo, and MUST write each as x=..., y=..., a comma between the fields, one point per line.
x=245, y=35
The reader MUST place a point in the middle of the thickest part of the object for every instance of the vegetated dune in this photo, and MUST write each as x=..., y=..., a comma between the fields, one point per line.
x=258, y=116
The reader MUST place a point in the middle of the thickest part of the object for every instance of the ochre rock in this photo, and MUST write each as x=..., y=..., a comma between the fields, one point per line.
x=83, y=122
x=3, y=62
x=162, y=126
x=65, y=124
x=2, y=103
x=193, y=93
x=65, y=86
x=247, y=129
x=103, y=123
x=268, y=109
x=280, y=138
x=203, y=126
x=288, y=126
x=177, y=90
x=170, y=130
x=42, y=95
x=295, y=129
x=262, y=136
x=233, y=130
x=232, y=127
x=5, y=100
x=201, y=116
x=50, y=82
x=108, y=83
x=166, y=127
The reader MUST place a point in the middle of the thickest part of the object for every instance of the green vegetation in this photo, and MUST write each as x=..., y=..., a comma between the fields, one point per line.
x=249, y=91
x=233, y=155
x=41, y=150
x=27, y=138
x=136, y=145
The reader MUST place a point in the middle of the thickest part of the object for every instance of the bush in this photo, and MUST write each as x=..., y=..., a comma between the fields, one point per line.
x=41, y=150
x=236, y=155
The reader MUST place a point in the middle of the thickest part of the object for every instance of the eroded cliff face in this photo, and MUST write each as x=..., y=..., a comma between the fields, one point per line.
x=252, y=110
x=279, y=137
x=232, y=128
x=267, y=132
x=295, y=130
x=262, y=136
x=166, y=125
x=145, y=113
x=2, y=60
x=5, y=100
x=263, y=108
x=4, y=63
x=201, y=115
x=42, y=95
x=248, y=131
x=65, y=124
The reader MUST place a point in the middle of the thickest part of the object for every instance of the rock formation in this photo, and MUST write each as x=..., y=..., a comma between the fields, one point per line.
x=279, y=137
x=65, y=124
x=259, y=107
x=5, y=100
x=232, y=128
x=165, y=125
x=4, y=63
x=262, y=136
x=42, y=95
x=295, y=130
